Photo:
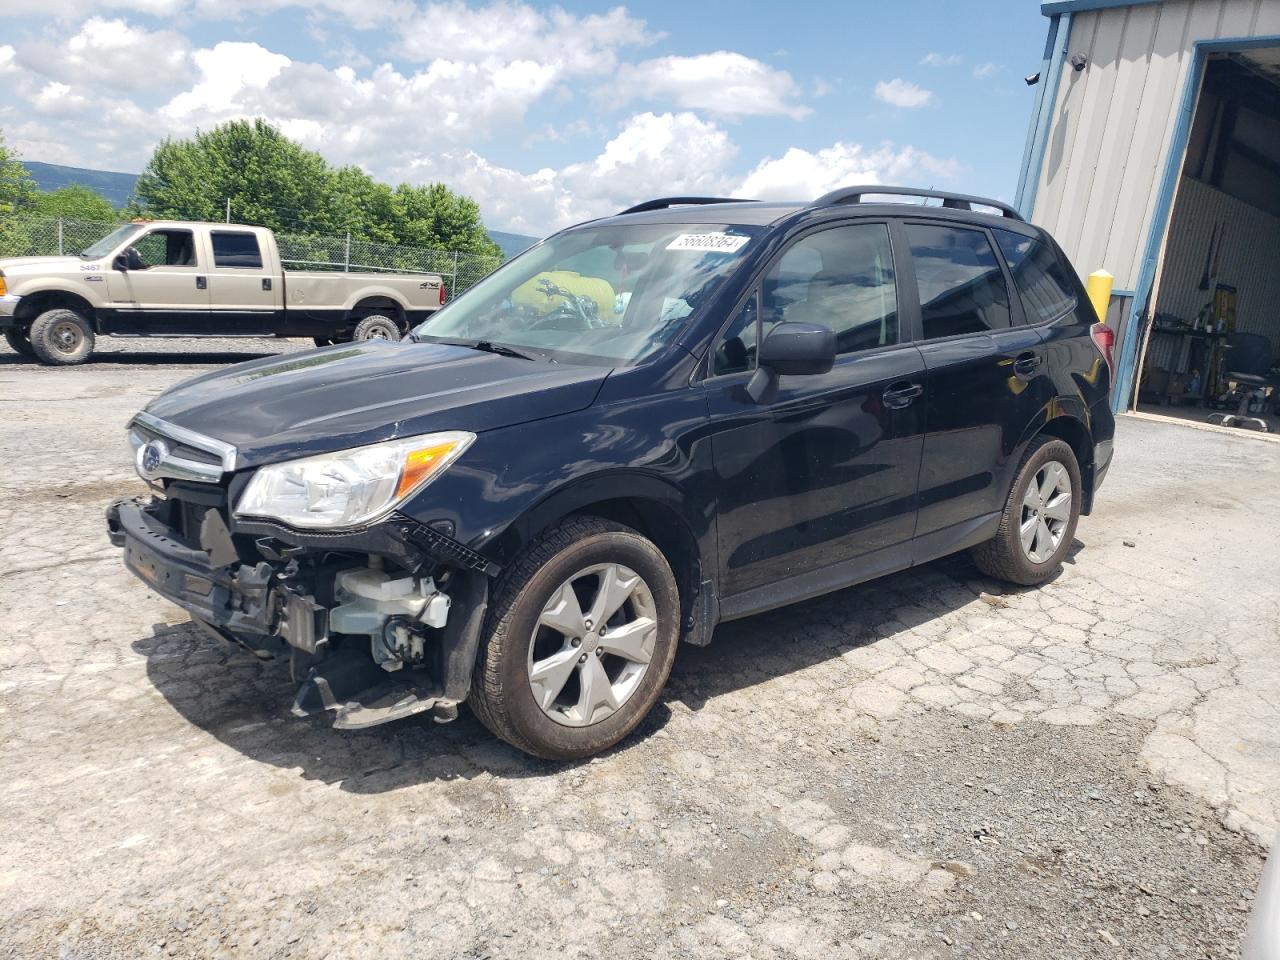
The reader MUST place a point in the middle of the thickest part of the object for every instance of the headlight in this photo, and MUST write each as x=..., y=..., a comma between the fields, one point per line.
x=350, y=488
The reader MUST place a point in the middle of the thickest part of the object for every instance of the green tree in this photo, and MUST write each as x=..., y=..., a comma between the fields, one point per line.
x=74, y=202
x=435, y=216
x=16, y=185
x=16, y=190
x=275, y=182
x=269, y=179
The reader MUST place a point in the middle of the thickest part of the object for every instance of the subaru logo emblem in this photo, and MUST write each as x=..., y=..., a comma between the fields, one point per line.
x=150, y=457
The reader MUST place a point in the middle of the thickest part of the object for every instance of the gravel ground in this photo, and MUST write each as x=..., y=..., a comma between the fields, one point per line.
x=932, y=765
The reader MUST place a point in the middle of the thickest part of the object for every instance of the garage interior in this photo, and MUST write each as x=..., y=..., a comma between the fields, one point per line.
x=1217, y=305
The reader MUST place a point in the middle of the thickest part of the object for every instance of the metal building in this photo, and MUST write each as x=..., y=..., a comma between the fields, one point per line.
x=1154, y=153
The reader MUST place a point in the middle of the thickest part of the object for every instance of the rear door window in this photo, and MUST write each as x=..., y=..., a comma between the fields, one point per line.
x=236, y=250
x=961, y=285
x=1045, y=285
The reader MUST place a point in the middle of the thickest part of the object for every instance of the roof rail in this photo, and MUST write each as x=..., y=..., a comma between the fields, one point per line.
x=956, y=201
x=662, y=203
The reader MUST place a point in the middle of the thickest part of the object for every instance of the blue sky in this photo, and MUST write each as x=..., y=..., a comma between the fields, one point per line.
x=546, y=114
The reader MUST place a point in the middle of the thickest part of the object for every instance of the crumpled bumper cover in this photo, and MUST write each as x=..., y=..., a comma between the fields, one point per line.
x=235, y=598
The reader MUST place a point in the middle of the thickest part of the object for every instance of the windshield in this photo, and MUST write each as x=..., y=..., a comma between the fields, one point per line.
x=109, y=242
x=614, y=293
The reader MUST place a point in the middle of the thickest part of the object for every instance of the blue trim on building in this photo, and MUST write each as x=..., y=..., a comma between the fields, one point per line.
x=1046, y=100
x=1037, y=114
x=1164, y=204
x=1052, y=8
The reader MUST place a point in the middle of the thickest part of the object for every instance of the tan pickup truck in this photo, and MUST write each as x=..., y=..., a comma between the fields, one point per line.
x=171, y=278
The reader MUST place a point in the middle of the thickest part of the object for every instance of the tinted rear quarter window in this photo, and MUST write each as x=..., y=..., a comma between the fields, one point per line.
x=961, y=285
x=236, y=249
x=1045, y=285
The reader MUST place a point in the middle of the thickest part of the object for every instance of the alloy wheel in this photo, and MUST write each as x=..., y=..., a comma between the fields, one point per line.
x=592, y=644
x=1046, y=511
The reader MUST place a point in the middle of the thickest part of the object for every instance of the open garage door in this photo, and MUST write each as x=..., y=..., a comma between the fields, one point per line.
x=1211, y=348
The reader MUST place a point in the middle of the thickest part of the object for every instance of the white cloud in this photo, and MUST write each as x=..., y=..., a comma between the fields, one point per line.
x=984, y=70
x=652, y=155
x=7, y=57
x=64, y=9
x=903, y=93
x=724, y=83
x=230, y=73
x=505, y=31
x=114, y=55
x=58, y=98
x=941, y=59
x=802, y=174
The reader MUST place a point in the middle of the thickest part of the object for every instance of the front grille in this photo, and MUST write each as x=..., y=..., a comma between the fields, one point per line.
x=165, y=450
x=182, y=450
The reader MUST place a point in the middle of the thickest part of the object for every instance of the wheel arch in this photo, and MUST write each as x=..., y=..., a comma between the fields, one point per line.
x=34, y=304
x=1075, y=433
x=380, y=303
x=652, y=507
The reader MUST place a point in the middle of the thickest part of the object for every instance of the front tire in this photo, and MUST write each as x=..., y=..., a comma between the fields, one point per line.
x=579, y=641
x=61, y=338
x=19, y=341
x=376, y=327
x=1039, y=519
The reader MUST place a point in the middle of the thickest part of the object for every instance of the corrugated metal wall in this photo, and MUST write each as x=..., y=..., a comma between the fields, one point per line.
x=1247, y=244
x=1112, y=122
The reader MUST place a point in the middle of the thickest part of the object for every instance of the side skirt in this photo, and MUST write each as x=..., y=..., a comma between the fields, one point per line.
x=848, y=573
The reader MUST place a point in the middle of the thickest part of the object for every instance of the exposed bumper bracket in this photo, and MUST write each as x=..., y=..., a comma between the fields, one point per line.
x=361, y=694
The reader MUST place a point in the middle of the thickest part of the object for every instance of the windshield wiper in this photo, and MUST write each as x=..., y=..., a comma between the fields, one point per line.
x=501, y=349
x=488, y=346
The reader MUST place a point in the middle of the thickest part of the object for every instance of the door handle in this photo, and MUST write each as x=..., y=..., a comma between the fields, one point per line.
x=1026, y=365
x=899, y=395
x=266, y=283
x=202, y=283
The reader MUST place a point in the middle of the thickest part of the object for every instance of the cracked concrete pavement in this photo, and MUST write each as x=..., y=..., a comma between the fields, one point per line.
x=930, y=765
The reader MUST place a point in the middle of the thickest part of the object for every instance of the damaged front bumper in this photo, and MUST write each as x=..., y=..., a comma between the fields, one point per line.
x=412, y=653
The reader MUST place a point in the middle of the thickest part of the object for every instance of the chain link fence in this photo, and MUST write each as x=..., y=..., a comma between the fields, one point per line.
x=23, y=235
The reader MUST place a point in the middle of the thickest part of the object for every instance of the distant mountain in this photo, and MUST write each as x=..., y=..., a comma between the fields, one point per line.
x=511, y=243
x=115, y=187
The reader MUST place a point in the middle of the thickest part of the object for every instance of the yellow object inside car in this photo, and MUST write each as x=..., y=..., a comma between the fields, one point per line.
x=528, y=294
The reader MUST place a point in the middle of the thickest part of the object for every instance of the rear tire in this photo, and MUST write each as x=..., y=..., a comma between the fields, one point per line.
x=376, y=327
x=1039, y=519
x=323, y=341
x=565, y=692
x=61, y=338
x=19, y=341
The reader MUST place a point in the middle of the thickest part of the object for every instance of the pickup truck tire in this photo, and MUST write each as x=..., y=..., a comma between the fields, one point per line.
x=19, y=342
x=376, y=327
x=1039, y=520
x=595, y=698
x=61, y=338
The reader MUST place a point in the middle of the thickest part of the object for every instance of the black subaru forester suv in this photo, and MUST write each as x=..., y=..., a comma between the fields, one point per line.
x=646, y=425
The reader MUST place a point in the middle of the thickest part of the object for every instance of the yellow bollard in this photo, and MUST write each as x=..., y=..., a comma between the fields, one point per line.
x=1099, y=290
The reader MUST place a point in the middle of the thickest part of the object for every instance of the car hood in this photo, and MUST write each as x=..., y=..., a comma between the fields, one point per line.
x=15, y=266
x=299, y=404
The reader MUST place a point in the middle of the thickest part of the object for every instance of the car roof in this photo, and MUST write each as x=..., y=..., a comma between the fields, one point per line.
x=746, y=212
x=846, y=203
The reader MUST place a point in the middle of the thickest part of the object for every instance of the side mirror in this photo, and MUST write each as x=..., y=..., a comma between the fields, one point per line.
x=129, y=259
x=792, y=350
x=799, y=349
